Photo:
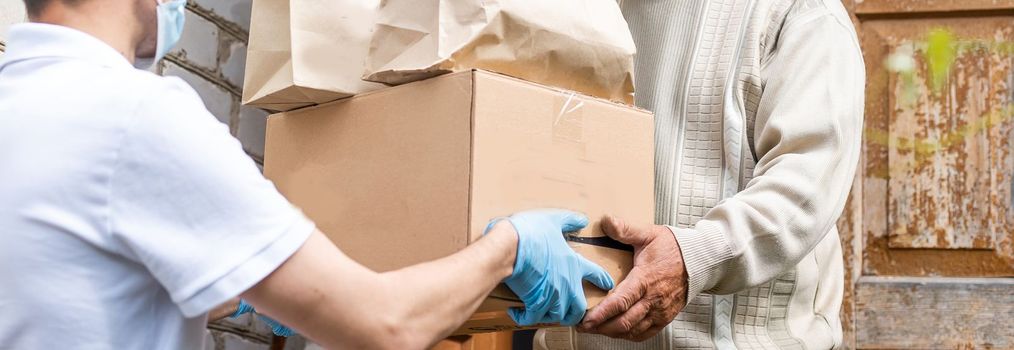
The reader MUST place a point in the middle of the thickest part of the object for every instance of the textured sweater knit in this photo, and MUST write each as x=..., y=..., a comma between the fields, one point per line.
x=758, y=108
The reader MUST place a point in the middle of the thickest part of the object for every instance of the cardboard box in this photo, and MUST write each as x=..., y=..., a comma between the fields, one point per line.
x=485, y=341
x=412, y=173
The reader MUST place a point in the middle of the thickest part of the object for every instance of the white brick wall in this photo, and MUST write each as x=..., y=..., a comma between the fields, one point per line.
x=211, y=57
x=11, y=11
x=199, y=43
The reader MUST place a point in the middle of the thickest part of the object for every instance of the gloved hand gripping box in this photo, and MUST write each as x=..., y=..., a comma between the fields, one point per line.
x=412, y=173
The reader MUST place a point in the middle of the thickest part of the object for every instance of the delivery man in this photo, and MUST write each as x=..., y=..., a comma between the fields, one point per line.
x=759, y=108
x=127, y=212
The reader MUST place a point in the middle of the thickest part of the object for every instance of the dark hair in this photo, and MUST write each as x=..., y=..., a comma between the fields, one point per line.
x=33, y=7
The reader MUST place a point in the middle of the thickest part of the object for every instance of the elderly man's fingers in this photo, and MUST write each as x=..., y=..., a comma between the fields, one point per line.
x=619, y=230
x=647, y=334
x=640, y=328
x=625, y=324
x=622, y=298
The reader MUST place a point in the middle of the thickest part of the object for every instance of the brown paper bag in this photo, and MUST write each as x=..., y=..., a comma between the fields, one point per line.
x=305, y=52
x=580, y=45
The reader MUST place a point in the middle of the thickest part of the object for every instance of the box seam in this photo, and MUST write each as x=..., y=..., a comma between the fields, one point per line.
x=563, y=91
x=269, y=121
x=471, y=157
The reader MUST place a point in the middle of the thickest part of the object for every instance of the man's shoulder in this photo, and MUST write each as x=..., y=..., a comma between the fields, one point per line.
x=74, y=90
x=778, y=17
x=142, y=104
x=102, y=91
x=148, y=95
x=145, y=85
x=803, y=11
x=166, y=107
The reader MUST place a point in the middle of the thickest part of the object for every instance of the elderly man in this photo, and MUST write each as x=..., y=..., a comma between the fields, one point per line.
x=758, y=120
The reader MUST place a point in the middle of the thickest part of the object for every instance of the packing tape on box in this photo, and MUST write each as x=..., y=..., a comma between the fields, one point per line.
x=601, y=241
x=569, y=106
x=568, y=126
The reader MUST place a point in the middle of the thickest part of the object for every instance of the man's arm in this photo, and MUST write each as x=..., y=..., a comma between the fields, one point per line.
x=340, y=304
x=229, y=228
x=808, y=140
x=809, y=125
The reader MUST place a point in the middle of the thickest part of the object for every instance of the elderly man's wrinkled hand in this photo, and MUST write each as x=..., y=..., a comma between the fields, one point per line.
x=651, y=295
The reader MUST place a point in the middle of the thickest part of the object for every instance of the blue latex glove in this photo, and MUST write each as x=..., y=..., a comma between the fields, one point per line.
x=547, y=273
x=276, y=328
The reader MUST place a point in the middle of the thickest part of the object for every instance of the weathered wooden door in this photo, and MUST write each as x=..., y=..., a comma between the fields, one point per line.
x=929, y=230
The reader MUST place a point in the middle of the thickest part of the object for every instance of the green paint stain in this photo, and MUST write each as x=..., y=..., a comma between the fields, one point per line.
x=941, y=50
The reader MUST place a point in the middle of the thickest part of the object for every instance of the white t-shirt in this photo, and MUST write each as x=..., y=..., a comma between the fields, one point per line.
x=127, y=211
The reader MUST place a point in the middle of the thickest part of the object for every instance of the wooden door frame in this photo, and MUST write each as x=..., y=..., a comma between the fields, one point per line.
x=881, y=311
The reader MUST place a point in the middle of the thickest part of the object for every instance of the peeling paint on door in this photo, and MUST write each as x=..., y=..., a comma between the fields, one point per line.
x=937, y=162
x=946, y=151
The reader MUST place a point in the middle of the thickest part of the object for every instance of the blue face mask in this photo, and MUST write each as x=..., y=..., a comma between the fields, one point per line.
x=171, y=17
